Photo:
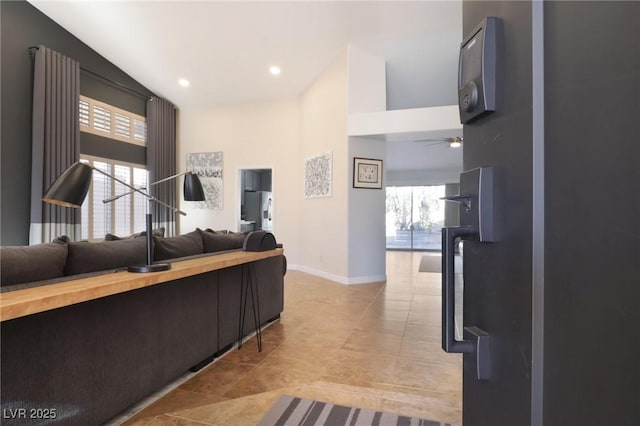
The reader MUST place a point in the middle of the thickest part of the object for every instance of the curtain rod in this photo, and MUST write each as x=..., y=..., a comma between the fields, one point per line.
x=115, y=84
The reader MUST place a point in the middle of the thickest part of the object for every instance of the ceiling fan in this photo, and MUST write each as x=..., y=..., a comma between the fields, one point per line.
x=454, y=141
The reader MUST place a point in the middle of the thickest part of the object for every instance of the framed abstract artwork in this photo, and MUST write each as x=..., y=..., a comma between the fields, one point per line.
x=209, y=168
x=367, y=173
x=317, y=176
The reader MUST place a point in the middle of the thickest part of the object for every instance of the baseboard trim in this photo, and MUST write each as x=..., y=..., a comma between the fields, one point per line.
x=367, y=280
x=338, y=278
x=199, y=366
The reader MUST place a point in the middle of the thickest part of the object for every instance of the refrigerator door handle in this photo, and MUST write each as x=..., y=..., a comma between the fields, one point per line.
x=449, y=236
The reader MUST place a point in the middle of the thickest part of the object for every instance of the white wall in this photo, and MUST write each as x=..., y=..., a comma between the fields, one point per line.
x=323, y=127
x=340, y=237
x=367, y=81
x=367, y=94
x=367, y=207
x=426, y=83
x=280, y=135
x=405, y=122
x=253, y=135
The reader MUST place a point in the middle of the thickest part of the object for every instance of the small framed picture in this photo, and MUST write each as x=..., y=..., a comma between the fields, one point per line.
x=367, y=173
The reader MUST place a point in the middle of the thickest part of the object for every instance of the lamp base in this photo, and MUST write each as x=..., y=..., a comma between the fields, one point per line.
x=156, y=267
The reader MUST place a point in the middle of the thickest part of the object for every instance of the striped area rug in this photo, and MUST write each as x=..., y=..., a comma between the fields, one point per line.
x=292, y=411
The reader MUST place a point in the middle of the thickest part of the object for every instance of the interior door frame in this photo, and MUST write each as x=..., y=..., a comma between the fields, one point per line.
x=238, y=201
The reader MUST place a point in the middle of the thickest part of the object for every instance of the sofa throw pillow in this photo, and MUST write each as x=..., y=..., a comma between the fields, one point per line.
x=91, y=257
x=214, y=241
x=219, y=231
x=178, y=246
x=158, y=232
x=23, y=264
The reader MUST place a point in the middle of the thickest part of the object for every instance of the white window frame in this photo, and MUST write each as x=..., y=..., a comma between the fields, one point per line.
x=111, y=227
x=111, y=134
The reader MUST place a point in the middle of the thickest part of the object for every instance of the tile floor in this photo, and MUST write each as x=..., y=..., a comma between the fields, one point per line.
x=373, y=346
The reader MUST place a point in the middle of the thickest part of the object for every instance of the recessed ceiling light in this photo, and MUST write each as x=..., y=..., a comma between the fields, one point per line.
x=274, y=70
x=455, y=144
x=183, y=82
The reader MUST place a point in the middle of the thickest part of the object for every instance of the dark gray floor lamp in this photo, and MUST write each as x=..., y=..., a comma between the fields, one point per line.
x=71, y=187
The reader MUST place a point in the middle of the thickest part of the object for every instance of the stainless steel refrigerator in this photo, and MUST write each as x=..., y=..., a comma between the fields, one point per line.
x=258, y=207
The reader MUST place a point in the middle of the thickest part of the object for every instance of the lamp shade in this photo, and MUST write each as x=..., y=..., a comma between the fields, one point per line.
x=71, y=187
x=193, y=188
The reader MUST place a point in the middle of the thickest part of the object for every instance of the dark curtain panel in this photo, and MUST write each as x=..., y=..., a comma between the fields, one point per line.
x=161, y=160
x=55, y=141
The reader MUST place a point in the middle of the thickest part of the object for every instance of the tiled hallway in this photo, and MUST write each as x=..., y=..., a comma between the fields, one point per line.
x=373, y=346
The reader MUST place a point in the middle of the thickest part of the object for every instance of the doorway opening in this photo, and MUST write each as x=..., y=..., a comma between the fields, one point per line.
x=256, y=200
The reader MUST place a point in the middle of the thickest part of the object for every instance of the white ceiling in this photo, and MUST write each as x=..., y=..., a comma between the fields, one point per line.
x=226, y=48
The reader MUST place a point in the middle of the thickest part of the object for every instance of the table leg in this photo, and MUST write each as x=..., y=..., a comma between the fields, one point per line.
x=249, y=283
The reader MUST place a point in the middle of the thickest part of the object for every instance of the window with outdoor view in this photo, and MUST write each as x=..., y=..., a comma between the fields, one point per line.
x=110, y=122
x=415, y=216
x=121, y=217
x=125, y=215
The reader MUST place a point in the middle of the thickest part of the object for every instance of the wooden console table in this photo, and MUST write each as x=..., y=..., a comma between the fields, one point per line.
x=20, y=303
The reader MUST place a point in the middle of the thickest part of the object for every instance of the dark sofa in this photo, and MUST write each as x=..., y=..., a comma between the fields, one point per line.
x=90, y=361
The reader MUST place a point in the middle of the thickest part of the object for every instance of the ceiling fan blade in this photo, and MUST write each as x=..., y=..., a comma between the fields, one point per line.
x=427, y=144
x=441, y=140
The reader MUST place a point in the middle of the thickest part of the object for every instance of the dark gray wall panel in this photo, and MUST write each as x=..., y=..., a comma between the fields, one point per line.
x=97, y=88
x=23, y=26
x=592, y=284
